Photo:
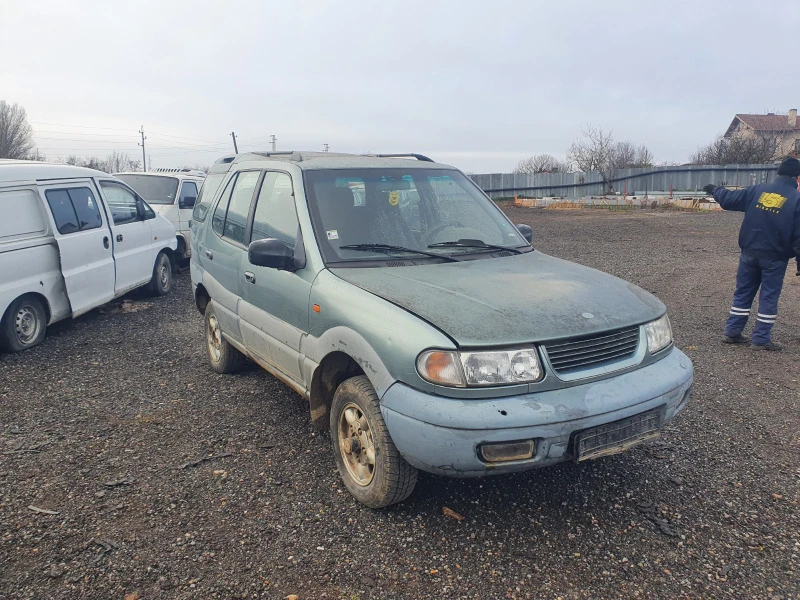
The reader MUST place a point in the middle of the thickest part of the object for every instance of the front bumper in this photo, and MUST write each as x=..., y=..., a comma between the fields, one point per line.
x=442, y=435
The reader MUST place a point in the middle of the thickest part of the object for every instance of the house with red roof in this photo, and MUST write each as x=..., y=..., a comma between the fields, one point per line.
x=784, y=129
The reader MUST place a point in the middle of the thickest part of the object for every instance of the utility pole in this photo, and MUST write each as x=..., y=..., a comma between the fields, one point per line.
x=274, y=141
x=144, y=159
x=325, y=147
x=235, y=148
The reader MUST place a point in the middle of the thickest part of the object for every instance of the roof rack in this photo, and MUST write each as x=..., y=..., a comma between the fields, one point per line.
x=169, y=170
x=421, y=157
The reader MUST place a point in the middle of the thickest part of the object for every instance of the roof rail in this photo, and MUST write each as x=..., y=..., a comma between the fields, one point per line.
x=421, y=157
x=170, y=170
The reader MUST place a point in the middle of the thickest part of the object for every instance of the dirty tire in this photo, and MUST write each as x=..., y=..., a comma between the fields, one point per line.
x=389, y=479
x=223, y=357
x=24, y=324
x=161, y=282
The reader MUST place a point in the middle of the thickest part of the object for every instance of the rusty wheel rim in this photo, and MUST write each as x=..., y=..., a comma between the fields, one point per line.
x=356, y=444
x=214, y=338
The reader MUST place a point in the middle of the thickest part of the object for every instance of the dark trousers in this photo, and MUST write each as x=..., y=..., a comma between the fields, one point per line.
x=754, y=272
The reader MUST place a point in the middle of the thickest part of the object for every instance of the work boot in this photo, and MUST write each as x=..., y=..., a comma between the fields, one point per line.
x=771, y=346
x=735, y=339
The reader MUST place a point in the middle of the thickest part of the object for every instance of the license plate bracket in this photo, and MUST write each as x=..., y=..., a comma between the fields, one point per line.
x=618, y=436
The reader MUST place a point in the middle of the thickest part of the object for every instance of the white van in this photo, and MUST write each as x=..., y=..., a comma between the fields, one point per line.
x=172, y=194
x=72, y=239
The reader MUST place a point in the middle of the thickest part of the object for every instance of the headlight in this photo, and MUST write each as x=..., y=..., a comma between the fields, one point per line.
x=659, y=334
x=495, y=367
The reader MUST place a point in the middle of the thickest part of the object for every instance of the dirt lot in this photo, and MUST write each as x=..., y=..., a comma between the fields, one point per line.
x=105, y=424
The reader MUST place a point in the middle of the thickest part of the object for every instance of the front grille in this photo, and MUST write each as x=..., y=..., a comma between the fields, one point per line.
x=603, y=349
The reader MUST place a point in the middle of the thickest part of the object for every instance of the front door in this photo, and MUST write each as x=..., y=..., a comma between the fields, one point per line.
x=134, y=251
x=84, y=243
x=274, y=307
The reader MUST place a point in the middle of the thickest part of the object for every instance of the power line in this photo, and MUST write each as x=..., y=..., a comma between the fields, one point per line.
x=78, y=126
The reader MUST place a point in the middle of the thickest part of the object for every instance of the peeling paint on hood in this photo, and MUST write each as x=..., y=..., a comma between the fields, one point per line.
x=517, y=299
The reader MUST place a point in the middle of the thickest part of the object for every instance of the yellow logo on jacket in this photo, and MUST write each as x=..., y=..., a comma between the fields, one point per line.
x=771, y=202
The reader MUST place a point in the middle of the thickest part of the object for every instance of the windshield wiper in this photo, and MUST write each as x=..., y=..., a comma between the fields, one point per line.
x=466, y=243
x=391, y=248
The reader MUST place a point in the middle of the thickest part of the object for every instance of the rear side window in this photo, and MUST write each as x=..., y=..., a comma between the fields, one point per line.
x=74, y=209
x=230, y=217
x=207, y=192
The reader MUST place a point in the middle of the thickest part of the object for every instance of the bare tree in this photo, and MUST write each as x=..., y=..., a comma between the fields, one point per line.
x=541, y=163
x=593, y=151
x=116, y=162
x=756, y=148
x=16, y=135
x=597, y=151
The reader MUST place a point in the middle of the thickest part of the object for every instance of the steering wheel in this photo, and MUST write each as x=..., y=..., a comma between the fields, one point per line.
x=430, y=234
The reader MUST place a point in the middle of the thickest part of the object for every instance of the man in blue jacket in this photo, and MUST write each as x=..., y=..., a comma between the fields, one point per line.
x=769, y=237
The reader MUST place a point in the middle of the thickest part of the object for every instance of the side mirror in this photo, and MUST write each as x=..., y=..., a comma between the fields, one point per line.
x=271, y=253
x=141, y=214
x=187, y=202
x=526, y=232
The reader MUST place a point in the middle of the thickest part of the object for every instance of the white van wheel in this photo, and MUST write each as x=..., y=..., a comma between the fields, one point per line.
x=25, y=324
x=161, y=283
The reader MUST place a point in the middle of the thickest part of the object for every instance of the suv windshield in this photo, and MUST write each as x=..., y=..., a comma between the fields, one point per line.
x=359, y=213
x=156, y=189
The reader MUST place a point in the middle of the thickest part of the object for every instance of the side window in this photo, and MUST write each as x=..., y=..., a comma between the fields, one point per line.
x=275, y=216
x=207, y=192
x=74, y=209
x=218, y=220
x=239, y=207
x=86, y=208
x=121, y=202
x=63, y=211
x=188, y=190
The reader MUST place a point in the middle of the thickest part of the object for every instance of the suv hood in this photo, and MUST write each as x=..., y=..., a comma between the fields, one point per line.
x=516, y=299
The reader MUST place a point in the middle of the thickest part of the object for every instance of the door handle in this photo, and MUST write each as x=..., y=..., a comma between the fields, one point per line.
x=105, y=242
x=209, y=255
x=249, y=277
x=119, y=237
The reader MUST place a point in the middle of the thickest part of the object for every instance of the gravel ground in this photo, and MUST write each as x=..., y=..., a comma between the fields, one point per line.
x=106, y=422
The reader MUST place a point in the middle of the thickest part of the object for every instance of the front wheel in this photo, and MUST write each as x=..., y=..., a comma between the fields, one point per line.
x=24, y=324
x=161, y=282
x=370, y=465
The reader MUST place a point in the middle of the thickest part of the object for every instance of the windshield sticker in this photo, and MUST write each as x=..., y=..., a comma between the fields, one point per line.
x=394, y=198
x=333, y=234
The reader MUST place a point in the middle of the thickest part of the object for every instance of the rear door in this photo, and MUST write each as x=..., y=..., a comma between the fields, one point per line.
x=134, y=252
x=82, y=232
x=274, y=307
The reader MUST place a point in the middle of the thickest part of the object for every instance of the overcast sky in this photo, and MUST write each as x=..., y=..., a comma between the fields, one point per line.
x=475, y=83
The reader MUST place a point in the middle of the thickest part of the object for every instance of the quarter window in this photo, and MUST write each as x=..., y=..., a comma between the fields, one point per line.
x=74, y=209
x=275, y=216
x=208, y=189
x=121, y=202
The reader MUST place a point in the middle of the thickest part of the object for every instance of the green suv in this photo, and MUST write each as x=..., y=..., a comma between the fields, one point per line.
x=420, y=324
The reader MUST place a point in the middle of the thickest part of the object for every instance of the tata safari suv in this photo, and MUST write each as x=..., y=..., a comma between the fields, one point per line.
x=420, y=324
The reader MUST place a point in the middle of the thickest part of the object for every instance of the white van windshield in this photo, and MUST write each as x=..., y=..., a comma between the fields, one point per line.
x=155, y=189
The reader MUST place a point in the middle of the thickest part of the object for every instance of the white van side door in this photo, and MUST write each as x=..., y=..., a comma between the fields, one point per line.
x=132, y=240
x=84, y=243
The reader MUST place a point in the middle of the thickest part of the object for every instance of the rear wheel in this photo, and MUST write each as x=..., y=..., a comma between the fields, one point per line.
x=370, y=465
x=223, y=357
x=161, y=283
x=24, y=324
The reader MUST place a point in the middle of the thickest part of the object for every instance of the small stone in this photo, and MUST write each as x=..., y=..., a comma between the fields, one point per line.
x=132, y=596
x=55, y=571
x=99, y=494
